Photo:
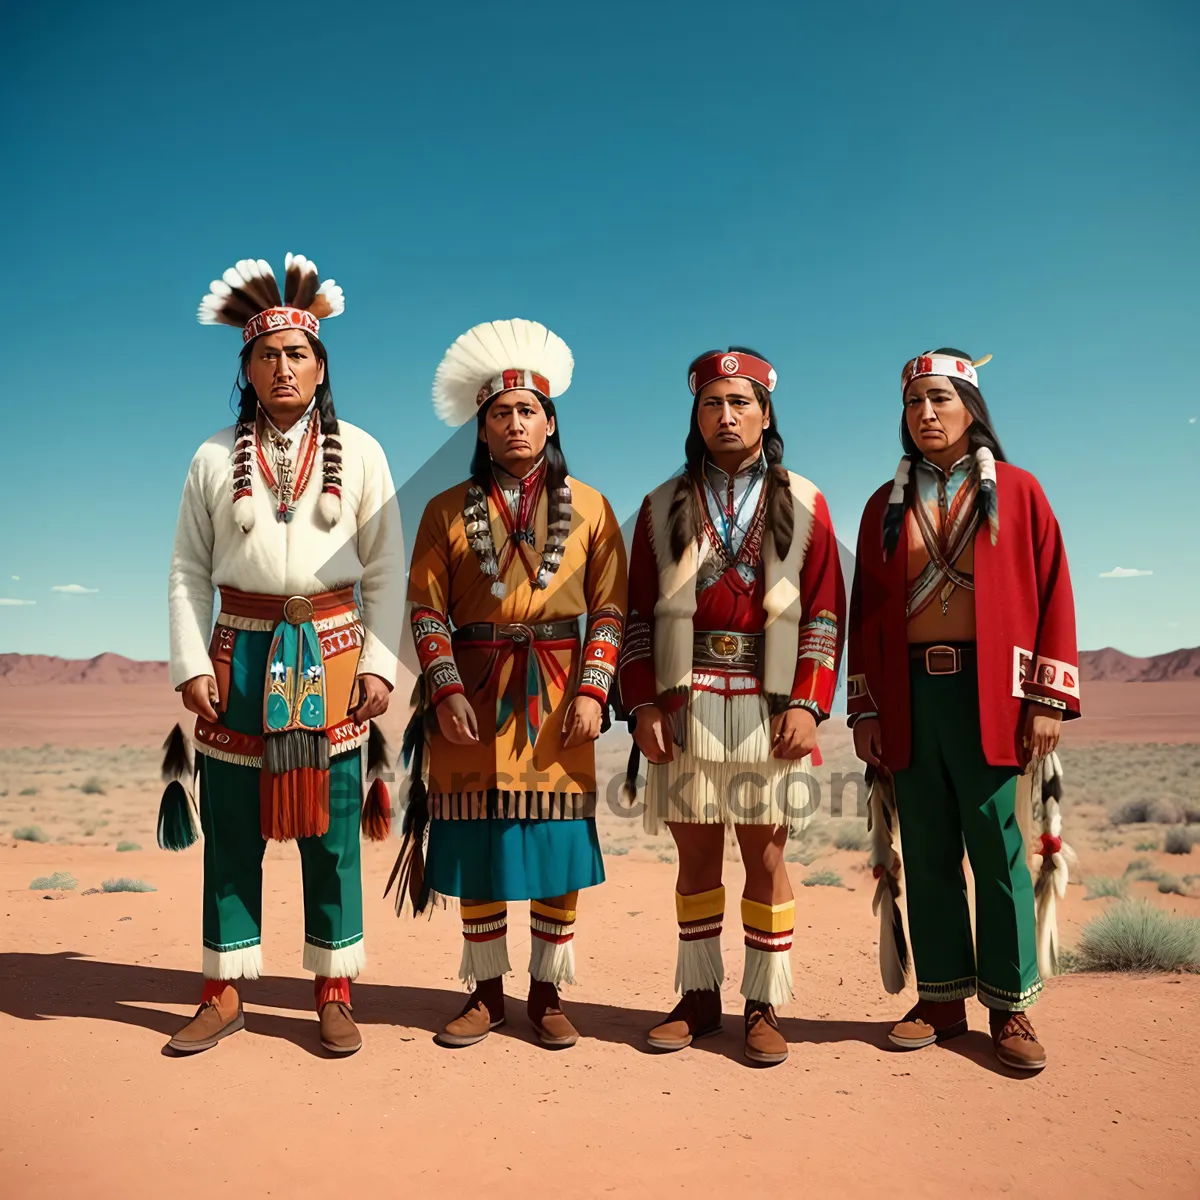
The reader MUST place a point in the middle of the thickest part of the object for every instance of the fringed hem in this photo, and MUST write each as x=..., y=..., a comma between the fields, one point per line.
x=343, y=963
x=727, y=729
x=552, y=962
x=955, y=989
x=768, y=976
x=1004, y=1001
x=699, y=966
x=483, y=960
x=245, y=962
x=689, y=790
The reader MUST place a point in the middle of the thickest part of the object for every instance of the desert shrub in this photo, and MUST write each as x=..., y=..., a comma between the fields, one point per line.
x=1144, y=846
x=123, y=846
x=1128, y=812
x=666, y=856
x=1191, y=809
x=127, y=885
x=615, y=850
x=1171, y=885
x=1164, y=811
x=1178, y=840
x=852, y=837
x=1149, y=875
x=28, y=791
x=31, y=833
x=798, y=852
x=1099, y=886
x=1137, y=864
x=823, y=878
x=92, y=786
x=60, y=881
x=1136, y=936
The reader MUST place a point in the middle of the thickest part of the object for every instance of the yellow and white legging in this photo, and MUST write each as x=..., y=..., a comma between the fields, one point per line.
x=551, y=941
x=767, y=978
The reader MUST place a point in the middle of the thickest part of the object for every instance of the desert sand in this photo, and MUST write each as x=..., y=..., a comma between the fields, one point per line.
x=91, y=986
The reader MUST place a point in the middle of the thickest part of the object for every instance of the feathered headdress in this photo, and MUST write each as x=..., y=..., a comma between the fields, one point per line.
x=247, y=297
x=496, y=357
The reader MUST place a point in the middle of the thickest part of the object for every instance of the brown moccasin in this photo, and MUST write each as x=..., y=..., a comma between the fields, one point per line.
x=1016, y=1043
x=339, y=1034
x=765, y=1045
x=929, y=1021
x=697, y=1015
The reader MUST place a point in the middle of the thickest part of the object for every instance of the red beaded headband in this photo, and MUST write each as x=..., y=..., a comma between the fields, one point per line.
x=508, y=381
x=272, y=320
x=941, y=364
x=729, y=365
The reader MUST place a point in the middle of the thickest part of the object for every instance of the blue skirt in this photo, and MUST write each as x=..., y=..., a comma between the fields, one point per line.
x=494, y=859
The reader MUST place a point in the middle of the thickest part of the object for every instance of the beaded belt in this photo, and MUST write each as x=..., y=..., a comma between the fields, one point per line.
x=544, y=631
x=941, y=658
x=716, y=648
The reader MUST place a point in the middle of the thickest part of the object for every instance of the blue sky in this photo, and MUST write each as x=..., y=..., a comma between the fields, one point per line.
x=840, y=189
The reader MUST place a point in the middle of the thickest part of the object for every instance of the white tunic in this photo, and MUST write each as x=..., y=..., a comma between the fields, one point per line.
x=302, y=557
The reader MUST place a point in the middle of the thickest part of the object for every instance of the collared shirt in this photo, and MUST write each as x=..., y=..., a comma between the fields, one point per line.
x=937, y=488
x=286, y=442
x=510, y=485
x=732, y=501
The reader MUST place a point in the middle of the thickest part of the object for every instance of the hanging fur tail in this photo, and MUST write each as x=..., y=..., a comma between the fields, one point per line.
x=632, y=767
x=408, y=872
x=886, y=867
x=1052, y=857
x=178, y=815
x=377, y=804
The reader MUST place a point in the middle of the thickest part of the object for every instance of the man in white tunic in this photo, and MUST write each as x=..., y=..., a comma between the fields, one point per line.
x=291, y=515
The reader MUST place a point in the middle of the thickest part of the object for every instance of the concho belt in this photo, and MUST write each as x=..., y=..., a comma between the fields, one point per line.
x=717, y=648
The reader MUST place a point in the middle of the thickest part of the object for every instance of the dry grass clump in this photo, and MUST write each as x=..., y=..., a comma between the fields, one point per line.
x=1178, y=840
x=823, y=878
x=30, y=833
x=1100, y=886
x=1134, y=935
x=127, y=885
x=852, y=836
x=60, y=881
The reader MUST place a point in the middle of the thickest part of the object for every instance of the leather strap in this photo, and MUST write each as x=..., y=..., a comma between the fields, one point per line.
x=544, y=631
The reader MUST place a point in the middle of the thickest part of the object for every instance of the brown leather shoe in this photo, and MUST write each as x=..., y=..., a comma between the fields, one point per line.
x=1016, y=1043
x=549, y=1021
x=483, y=1012
x=764, y=1042
x=697, y=1015
x=339, y=1034
x=214, y=1019
x=929, y=1021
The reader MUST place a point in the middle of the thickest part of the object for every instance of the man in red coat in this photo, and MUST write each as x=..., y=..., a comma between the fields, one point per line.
x=962, y=666
x=729, y=663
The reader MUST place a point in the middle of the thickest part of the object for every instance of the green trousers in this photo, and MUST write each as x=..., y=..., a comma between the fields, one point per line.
x=949, y=795
x=234, y=847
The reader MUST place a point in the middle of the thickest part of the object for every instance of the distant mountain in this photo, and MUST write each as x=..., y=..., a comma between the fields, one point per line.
x=1095, y=666
x=1111, y=666
x=30, y=669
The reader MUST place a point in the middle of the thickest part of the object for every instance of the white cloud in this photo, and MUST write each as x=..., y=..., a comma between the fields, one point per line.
x=1123, y=573
x=74, y=589
x=10, y=602
x=1191, y=420
x=17, y=578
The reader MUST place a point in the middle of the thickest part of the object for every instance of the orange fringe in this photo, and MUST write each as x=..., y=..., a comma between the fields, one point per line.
x=377, y=813
x=294, y=804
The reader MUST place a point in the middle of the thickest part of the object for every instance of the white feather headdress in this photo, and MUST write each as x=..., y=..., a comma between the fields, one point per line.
x=475, y=367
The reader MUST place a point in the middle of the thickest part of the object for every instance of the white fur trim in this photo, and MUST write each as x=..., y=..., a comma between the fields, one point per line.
x=699, y=966
x=344, y=963
x=244, y=963
x=900, y=482
x=484, y=960
x=781, y=599
x=329, y=508
x=552, y=962
x=768, y=976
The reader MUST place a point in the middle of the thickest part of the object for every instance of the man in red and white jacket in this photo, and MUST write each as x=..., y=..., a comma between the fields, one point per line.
x=729, y=663
x=962, y=666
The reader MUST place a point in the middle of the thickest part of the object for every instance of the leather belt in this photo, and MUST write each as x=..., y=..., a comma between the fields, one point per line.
x=941, y=658
x=544, y=631
x=296, y=610
x=718, y=648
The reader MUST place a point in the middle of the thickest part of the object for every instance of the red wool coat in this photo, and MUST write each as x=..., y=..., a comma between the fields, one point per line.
x=1024, y=618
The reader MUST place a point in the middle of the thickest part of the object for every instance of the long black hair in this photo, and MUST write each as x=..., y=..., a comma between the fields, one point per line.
x=248, y=399
x=980, y=432
x=685, y=517
x=556, y=461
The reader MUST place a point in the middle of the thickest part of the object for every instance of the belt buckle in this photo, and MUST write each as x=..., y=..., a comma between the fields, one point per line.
x=943, y=652
x=724, y=645
x=517, y=633
x=298, y=610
